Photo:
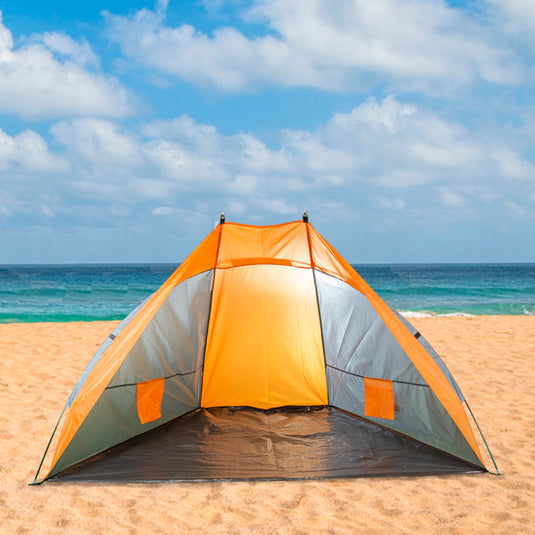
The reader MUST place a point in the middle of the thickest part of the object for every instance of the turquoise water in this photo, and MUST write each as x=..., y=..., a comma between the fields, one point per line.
x=33, y=293
x=455, y=289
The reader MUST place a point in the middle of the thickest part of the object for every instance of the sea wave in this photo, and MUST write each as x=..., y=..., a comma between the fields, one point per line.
x=424, y=314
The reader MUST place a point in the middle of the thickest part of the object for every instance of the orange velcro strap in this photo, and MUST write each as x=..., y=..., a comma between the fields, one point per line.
x=379, y=398
x=149, y=400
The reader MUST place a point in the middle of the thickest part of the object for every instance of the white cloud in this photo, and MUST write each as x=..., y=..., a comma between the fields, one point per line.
x=451, y=198
x=518, y=15
x=330, y=46
x=390, y=143
x=384, y=154
x=48, y=79
x=387, y=116
x=193, y=155
x=513, y=166
x=5, y=212
x=98, y=142
x=162, y=210
x=517, y=209
x=63, y=45
x=28, y=152
x=46, y=210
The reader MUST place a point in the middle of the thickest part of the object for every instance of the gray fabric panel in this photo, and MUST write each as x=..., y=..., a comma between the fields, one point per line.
x=432, y=352
x=100, y=351
x=172, y=346
x=173, y=342
x=357, y=341
x=114, y=419
x=418, y=413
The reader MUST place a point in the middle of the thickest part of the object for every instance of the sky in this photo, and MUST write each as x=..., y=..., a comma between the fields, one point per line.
x=405, y=127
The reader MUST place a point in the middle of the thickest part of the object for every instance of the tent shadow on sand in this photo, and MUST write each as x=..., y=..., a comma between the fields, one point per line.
x=263, y=356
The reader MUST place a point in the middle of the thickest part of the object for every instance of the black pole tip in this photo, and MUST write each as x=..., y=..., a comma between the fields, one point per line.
x=222, y=218
x=305, y=216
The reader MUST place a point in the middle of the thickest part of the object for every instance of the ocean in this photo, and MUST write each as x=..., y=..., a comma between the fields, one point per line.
x=31, y=293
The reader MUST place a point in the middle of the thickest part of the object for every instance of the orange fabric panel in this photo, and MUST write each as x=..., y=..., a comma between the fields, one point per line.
x=328, y=260
x=379, y=398
x=242, y=243
x=201, y=259
x=264, y=346
x=149, y=400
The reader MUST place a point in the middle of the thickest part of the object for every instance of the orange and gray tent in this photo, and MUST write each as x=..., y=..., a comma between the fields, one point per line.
x=263, y=356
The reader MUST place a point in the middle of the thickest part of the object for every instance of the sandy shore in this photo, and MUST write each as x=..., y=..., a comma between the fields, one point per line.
x=492, y=359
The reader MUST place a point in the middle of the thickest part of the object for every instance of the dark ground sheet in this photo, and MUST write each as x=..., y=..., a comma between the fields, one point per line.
x=251, y=444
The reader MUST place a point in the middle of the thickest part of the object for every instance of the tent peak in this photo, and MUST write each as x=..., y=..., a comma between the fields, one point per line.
x=222, y=218
x=305, y=216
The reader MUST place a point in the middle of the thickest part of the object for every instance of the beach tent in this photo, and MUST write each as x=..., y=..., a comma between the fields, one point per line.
x=263, y=356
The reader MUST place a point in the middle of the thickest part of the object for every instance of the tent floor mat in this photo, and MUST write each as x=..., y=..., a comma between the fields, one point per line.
x=252, y=444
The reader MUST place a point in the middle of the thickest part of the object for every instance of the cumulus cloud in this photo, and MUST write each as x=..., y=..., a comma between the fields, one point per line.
x=28, y=152
x=317, y=43
x=192, y=155
x=512, y=165
x=518, y=15
x=386, y=154
x=48, y=78
x=98, y=142
x=393, y=144
x=65, y=46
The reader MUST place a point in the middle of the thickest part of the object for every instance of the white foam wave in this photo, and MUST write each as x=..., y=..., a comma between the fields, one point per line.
x=458, y=315
x=415, y=314
x=423, y=314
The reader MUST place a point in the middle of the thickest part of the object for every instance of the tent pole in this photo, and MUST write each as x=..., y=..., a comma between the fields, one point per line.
x=305, y=220
x=201, y=382
x=498, y=473
x=46, y=451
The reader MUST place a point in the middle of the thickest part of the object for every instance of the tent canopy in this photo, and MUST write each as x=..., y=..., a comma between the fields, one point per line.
x=274, y=320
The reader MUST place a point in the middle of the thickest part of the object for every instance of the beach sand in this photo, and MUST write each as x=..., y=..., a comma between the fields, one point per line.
x=492, y=359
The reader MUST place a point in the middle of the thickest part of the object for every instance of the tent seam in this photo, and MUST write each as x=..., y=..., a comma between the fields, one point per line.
x=166, y=377
x=201, y=385
x=318, y=305
x=364, y=376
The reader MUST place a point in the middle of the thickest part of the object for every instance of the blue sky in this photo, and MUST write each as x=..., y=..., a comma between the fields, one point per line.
x=405, y=127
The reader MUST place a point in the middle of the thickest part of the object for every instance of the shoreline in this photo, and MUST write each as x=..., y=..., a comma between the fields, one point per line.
x=490, y=357
x=110, y=292
x=408, y=314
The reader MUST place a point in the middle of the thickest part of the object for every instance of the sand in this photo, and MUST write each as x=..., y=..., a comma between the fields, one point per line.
x=492, y=359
